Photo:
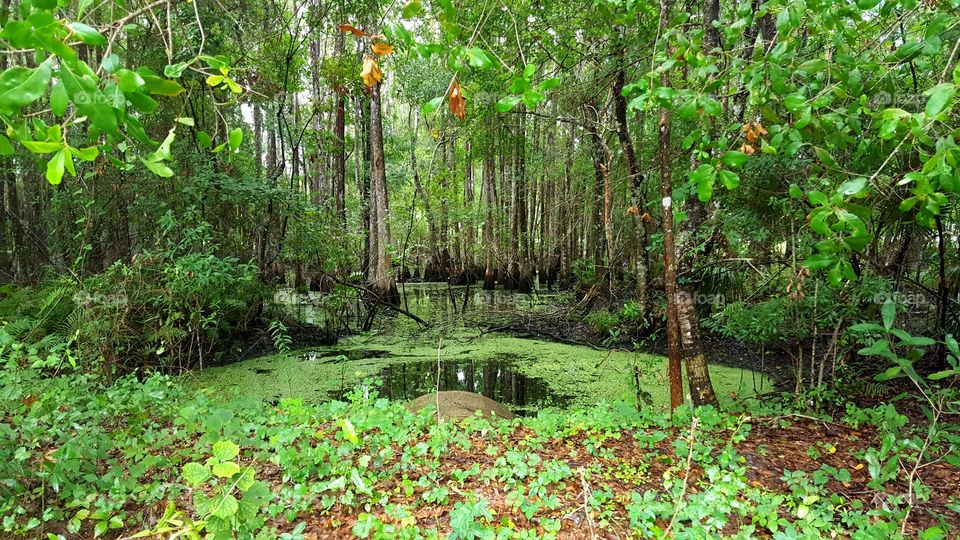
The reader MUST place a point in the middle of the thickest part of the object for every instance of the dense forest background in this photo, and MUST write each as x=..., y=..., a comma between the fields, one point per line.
x=778, y=174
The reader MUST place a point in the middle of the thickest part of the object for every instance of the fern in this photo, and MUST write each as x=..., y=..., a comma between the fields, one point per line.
x=281, y=339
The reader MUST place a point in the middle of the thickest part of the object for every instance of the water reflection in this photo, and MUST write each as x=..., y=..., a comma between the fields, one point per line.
x=497, y=379
x=438, y=303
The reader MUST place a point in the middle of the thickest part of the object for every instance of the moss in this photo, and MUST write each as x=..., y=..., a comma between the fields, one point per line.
x=580, y=375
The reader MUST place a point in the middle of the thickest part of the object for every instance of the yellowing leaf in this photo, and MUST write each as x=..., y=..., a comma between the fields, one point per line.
x=382, y=49
x=371, y=74
x=352, y=29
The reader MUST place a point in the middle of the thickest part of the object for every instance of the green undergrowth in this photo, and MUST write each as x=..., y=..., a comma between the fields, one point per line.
x=579, y=376
x=85, y=456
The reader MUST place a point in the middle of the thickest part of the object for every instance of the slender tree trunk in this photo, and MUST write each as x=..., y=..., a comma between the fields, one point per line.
x=469, y=233
x=639, y=238
x=674, y=371
x=339, y=152
x=379, y=279
x=489, y=195
x=694, y=357
x=433, y=265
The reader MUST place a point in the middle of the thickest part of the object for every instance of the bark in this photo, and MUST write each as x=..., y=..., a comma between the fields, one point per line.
x=258, y=139
x=639, y=235
x=469, y=233
x=669, y=250
x=694, y=358
x=379, y=279
x=339, y=153
x=489, y=195
x=434, y=264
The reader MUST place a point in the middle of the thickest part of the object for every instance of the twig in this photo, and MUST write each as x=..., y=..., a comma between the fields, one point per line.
x=686, y=478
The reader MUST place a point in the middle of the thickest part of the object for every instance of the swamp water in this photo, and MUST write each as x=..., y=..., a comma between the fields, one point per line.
x=402, y=362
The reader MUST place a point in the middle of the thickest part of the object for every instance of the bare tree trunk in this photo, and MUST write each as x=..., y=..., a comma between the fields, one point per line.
x=674, y=371
x=433, y=265
x=469, y=232
x=339, y=152
x=638, y=196
x=381, y=282
x=258, y=139
x=489, y=194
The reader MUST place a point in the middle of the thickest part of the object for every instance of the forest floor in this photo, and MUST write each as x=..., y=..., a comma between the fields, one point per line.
x=370, y=468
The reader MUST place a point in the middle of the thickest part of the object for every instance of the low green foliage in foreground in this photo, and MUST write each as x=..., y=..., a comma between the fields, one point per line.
x=90, y=456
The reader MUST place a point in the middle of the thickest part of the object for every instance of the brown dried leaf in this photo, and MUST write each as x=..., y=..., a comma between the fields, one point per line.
x=371, y=74
x=382, y=49
x=352, y=29
x=458, y=105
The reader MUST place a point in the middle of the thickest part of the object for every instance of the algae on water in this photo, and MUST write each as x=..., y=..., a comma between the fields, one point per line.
x=530, y=373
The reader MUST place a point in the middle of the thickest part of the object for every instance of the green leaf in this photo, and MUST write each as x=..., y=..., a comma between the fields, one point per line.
x=549, y=84
x=195, y=473
x=163, y=87
x=819, y=262
x=225, y=450
x=888, y=312
x=185, y=120
x=226, y=469
x=852, y=187
x=795, y=191
x=224, y=506
x=6, y=148
x=129, y=81
x=42, y=147
x=55, y=166
x=729, y=179
x=158, y=168
x=734, y=158
x=867, y=4
x=59, y=99
x=825, y=157
x=349, y=433
x=478, y=58
x=89, y=153
x=245, y=480
x=432, y=105
x=817, y=198
x=87, y=34
x=21, y=86
x=890, y=373
x=111, y=63
x=811, y=67
x=204, y=139
x=411, y=9
x=236, y=137
x=89, y=100
x=939, y=96
x=174, y=71
x=906, y=52
x=507, y=104
x=941, y=374
x=532, y=98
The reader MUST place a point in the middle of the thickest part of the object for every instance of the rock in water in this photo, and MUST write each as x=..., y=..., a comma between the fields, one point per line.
x=455, y=404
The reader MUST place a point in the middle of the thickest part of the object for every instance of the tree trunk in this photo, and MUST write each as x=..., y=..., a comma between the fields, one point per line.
x=669, y=250
x=489, y=195
x=379, y=279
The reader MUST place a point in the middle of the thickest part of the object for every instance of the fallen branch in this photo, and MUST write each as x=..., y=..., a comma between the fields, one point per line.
x=375, y=298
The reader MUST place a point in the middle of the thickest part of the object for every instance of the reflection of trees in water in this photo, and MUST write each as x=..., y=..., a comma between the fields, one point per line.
x=496, y=380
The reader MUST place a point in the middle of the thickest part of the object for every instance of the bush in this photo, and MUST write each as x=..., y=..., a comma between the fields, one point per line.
x=603, y=321
x=173, y=306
